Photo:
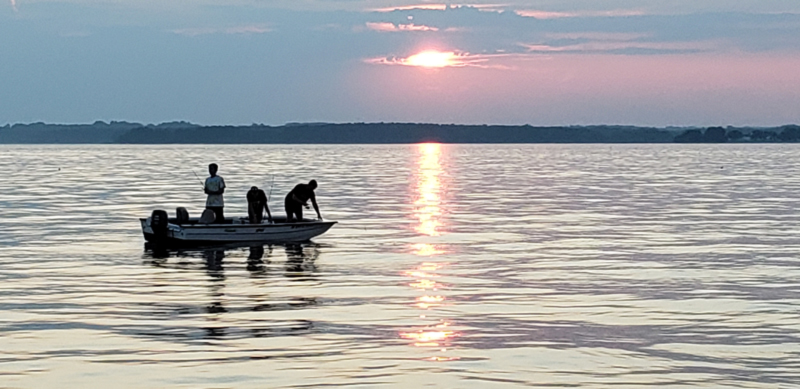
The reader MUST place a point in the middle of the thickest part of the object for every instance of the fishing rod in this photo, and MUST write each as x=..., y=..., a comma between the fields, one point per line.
x=269, y=196
x=199, y=179
x=272, y=182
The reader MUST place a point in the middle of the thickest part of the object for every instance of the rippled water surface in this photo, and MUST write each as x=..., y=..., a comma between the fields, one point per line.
x=585, y=266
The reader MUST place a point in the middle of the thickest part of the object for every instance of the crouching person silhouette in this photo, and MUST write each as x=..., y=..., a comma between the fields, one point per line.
x=256, y=205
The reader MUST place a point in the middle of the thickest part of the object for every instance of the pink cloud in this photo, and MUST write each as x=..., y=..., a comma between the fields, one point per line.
x=539, y=14
x=441, y=7
x=391, y=27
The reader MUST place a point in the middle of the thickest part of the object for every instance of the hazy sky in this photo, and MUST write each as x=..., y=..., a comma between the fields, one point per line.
x=556, y=62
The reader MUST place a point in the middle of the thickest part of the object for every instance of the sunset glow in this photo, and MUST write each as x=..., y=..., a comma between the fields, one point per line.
x=512, y=63
x=432, y=59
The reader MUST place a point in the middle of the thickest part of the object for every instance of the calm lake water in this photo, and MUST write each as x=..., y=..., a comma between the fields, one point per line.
x=453, y=266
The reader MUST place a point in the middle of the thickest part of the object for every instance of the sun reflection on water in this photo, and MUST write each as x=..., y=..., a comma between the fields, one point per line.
x=435, y=337
x=427, y=205
x=425, y=284
x=429, y=212
x=426, y=302
x=427, y=250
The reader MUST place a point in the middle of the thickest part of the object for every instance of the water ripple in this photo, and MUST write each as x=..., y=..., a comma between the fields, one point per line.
x=585, y=266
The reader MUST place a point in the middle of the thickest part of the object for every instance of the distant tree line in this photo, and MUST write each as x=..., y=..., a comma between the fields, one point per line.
x=371, y=133
x=789, y=133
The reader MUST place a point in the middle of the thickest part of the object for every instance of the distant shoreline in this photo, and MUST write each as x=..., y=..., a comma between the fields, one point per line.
x=380, y=133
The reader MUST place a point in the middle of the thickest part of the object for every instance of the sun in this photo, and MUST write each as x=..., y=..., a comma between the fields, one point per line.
x=432, y=59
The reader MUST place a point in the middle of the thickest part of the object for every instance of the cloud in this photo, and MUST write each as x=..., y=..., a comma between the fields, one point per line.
x=436, y=7
x=441, y=7
x=391, y=27
x=539, y=14
x=14, y=5
x=251, y=29
x=600, y=36
x=626, y=46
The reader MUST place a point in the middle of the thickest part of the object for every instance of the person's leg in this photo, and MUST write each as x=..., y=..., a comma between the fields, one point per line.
x=294, y=211
x=287, y=205
x=220, y=216
x=251, y=213
x=254, y=213
x=259, y=212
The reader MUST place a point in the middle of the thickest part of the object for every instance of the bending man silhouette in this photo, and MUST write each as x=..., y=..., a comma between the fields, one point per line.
x=256, y=204
x=298, y=198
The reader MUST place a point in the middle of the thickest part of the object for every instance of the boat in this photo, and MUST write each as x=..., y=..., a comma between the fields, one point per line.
x=183, y=231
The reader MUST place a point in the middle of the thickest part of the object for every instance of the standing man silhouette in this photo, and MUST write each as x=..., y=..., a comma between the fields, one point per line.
x=214, y=188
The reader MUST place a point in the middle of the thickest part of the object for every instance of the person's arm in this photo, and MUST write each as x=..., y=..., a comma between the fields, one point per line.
x=215, y=192
x=316, y=207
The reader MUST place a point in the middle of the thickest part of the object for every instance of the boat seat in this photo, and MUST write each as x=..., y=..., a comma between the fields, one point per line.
x=207, y=217
x=181, y=216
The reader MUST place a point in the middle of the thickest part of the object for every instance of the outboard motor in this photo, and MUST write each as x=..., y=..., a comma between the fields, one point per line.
x=158, y=222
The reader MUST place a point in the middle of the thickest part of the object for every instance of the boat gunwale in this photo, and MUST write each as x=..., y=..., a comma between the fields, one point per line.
x=247, y=225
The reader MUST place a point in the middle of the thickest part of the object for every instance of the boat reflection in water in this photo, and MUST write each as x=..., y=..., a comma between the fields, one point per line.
x=255, y=260
x=430, y=190
x=224, y=296
x=301, y=261
x=300, y=258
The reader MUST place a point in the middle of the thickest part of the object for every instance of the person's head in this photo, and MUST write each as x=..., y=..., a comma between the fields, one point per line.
x=313, y=184
x=253, y=188
x=212, y=169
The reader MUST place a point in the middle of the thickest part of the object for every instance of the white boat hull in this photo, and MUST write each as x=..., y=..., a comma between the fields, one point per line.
x=240, y=231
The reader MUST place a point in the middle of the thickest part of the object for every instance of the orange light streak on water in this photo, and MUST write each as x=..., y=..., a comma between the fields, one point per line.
x=429, y=188
x=429, y=266
x=427, y=250
x=428, y=211
x=420, y=274
x=426, y=302
x=424, y=284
